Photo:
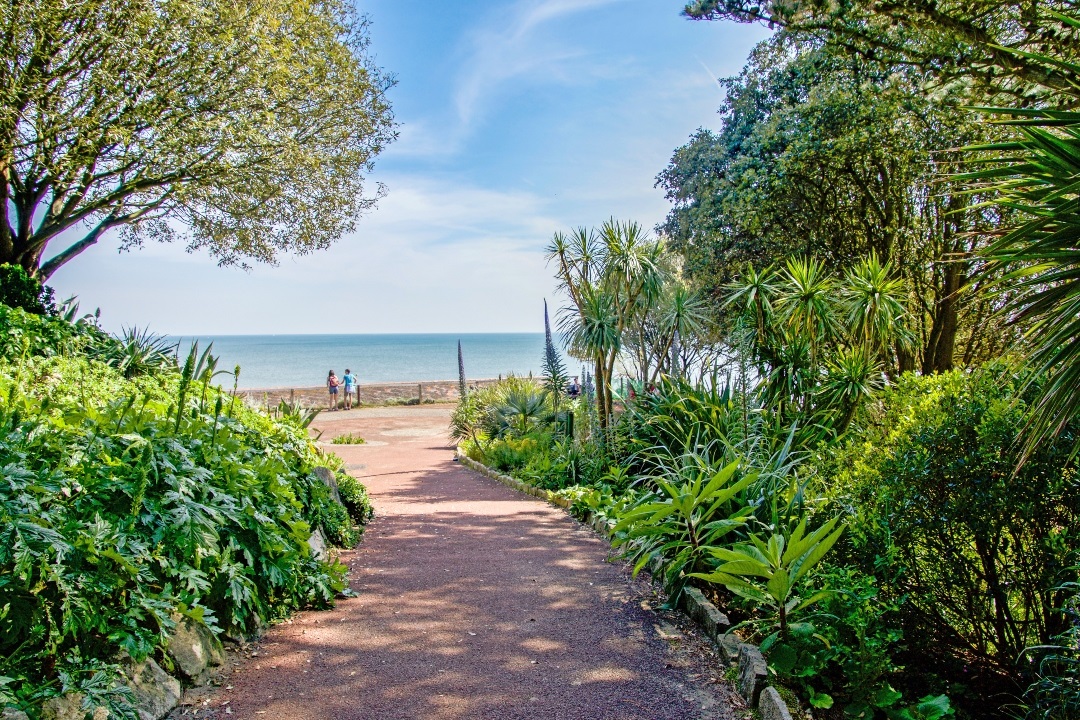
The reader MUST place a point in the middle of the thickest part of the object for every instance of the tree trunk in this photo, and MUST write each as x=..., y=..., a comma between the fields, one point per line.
x=938, y=357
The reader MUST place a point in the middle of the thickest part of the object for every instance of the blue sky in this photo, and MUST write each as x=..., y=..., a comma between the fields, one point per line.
x=517, y=119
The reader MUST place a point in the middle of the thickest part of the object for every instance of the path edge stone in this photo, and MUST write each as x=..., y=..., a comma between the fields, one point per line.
x=692, y=603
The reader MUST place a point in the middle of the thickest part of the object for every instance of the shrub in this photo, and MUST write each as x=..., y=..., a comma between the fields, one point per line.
x=355, y=498
x=1055, y=692
x=347, y=439
x=19, y=290
x=124, y=501
x=680, y=522
x=512, y=453
x=972, y=545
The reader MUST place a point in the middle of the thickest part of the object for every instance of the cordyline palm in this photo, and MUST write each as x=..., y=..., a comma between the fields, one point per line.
x=804, y=303
x=873, y=305
x=608, y=274
x=854, y=374
x=684, y=313
x=755, y=293
x=1041, y=257
x=592, y=330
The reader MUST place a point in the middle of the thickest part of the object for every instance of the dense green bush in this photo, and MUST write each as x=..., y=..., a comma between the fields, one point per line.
x=678, y=417
x=513, y=453
x=19, y=290
x=124, y=501
x=969, y=546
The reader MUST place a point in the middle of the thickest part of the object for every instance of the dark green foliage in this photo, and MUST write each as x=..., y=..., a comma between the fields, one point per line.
x=1055, y=693
x=973, y=549
x=18, y=289
x=1037, y=176
x=355, y=498
x=126, y=500
x=679, y=417
x=568, y=463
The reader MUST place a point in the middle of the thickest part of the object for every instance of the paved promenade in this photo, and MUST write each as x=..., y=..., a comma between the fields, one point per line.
x=473, y=601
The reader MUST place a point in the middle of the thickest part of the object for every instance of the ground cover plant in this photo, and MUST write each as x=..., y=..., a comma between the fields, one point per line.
x=127, y=500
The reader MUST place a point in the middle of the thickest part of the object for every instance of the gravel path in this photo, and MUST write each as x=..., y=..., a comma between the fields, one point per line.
x=473, y=601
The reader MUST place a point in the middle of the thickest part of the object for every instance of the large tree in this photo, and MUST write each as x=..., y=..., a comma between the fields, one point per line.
x=834, y=157
x=243, y=128
x=994, y=48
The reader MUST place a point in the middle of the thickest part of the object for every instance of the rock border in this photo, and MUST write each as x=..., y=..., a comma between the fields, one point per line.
x=753, y=678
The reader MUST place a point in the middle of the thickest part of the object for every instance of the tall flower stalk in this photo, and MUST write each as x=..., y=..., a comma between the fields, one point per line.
x=461, y=371
x=554, y=371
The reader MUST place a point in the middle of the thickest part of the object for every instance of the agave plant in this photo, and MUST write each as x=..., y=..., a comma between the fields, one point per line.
x=296, y=413
x=138, y=352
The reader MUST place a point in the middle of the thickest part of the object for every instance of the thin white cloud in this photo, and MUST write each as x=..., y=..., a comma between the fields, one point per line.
x=508, y=47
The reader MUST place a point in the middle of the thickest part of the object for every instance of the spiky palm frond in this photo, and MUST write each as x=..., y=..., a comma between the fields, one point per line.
x=592, y=328
x=755, y=294
x=873, y=304
x=1040, y=258
x=138, y=352
x=805, y=301
x=522, y=411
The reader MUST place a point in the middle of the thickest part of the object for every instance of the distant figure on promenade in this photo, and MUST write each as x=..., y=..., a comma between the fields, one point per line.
x=332, y=383
x=573, y=389
x=350, y=385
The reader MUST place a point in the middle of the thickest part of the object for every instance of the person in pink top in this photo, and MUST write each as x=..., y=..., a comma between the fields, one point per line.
x=332, y=384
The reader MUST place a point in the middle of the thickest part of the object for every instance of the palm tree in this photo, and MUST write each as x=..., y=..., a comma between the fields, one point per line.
x=609, y=274
x=805, y=303
x=1041, y=257
x=683, y=313
x=872, y=302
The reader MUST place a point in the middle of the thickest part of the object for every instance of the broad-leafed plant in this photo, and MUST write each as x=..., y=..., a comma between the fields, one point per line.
x=691, y=508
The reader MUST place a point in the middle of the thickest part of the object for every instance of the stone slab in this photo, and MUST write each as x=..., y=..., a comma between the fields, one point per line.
x=326, y=475
x=155, y=692
x=729, y=647
x=772, y=706
x=753, y=673
x=317, y=543
x=69, y=707
x=704, y=613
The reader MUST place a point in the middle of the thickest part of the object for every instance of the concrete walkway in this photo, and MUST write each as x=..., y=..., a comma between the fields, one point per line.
x=473, y=601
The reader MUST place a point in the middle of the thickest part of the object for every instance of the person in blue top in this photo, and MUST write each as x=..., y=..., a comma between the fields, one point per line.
x=350, y=385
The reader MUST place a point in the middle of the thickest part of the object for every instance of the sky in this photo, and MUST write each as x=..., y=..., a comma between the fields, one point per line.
x=517, y=119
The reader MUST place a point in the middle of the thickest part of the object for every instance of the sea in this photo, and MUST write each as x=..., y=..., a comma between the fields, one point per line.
x=276, y=361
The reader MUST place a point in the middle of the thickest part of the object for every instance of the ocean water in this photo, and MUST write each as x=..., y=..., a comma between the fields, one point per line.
x=271, y=361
